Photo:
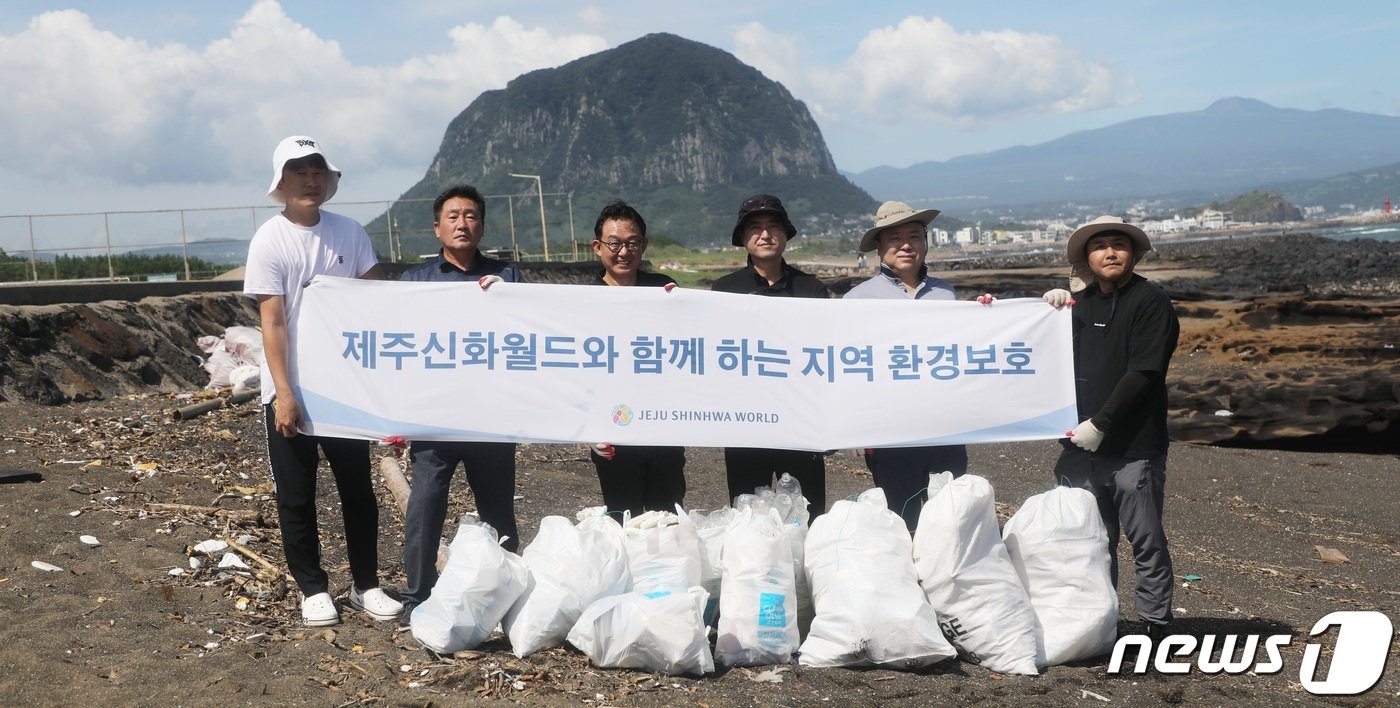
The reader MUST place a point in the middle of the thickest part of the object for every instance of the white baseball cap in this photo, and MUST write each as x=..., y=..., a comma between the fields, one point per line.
x=298, y=146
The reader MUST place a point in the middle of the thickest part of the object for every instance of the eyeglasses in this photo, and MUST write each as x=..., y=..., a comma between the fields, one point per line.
x=634, y=246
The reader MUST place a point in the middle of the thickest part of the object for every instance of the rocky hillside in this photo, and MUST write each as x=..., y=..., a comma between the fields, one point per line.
x=680, y=129
x=1261, y=207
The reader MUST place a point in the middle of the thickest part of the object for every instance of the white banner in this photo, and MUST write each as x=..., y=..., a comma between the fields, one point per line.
x=578, y=363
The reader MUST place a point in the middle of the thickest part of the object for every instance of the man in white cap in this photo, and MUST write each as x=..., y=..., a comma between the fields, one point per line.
x=287, y=251
x=1125, y=330
x=900, y=240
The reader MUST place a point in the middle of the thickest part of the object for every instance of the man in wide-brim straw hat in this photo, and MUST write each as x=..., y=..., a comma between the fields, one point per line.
x=1125, y=330
x=900, y=239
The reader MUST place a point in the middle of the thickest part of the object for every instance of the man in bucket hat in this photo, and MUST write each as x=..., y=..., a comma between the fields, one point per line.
x=287, y=251
x=763, y=229
x=1125, y=330
x=900, y=239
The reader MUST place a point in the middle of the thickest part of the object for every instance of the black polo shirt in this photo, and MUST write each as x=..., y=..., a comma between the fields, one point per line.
x=794, y=283
x=644, y=279
x=1131, y=329
x=441, y=269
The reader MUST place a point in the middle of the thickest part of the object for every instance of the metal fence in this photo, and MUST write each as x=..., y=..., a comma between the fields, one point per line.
x=39, y=245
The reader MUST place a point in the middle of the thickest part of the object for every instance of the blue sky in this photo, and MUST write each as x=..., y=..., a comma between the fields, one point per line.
x=164, y=104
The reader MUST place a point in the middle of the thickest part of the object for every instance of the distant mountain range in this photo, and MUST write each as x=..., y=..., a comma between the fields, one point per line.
x=1234, y=146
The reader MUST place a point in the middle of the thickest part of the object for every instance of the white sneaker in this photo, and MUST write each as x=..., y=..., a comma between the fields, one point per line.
x=319, y=610
x=376, y=604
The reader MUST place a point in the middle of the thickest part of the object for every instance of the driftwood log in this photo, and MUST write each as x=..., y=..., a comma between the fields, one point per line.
x=398, y=486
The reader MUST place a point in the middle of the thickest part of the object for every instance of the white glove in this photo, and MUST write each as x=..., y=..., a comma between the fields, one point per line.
x=668, y=287
x=489, y=280
x=986, y=299
x=1087, y=436
x=1057, y=298
x=605, y=450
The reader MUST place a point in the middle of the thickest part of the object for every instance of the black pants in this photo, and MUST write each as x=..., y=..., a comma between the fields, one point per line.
x=642, y=478
x=294, y=463
x=491, y=476
x=747, y=468
x=902, y=472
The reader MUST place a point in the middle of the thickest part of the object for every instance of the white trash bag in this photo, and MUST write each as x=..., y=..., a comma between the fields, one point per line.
x=709, y=529
x=1059, y=546
x=477, y=587
x=758, y=595
x=870, y=608
x=663, y=552
x=238, y=347
x=786, y=496
x=570, y=567
x=967, y=576
x=659, y=631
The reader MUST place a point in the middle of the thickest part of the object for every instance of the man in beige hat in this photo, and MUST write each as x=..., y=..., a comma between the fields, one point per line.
x=900, y=239
x=1125, y=330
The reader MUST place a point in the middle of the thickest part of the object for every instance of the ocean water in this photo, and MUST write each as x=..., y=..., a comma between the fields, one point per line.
x=1379, y=232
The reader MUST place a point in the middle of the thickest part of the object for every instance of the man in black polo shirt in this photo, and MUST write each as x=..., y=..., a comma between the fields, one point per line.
x=1125, y=330
x=459, y=220
x=635, y=478
x=763, y=229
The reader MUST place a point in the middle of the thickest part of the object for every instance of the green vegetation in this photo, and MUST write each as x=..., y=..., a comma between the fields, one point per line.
x=126, y=265
x=1260, y=207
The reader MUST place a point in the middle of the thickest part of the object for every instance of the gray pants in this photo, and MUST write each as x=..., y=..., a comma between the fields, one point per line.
x=1130, y=494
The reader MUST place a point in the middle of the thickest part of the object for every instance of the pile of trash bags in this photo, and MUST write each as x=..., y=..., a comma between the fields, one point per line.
x=234, y=359
x=850, y=588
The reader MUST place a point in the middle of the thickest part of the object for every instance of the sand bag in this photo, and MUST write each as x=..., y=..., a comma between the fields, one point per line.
x=870, y=610
x=967, y=576
x=758, y=594
x=477, y=587
x=1059, y=546
x=663, y=552
x=570, y=567
x=660, y=631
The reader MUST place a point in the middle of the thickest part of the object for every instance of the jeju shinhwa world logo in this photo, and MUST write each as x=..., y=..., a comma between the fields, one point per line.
x=622, y=414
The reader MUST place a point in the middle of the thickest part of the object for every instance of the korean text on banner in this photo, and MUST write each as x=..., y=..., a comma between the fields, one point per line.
x=570, y=363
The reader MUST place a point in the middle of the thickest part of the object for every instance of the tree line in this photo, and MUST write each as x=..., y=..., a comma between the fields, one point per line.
x=126, y=265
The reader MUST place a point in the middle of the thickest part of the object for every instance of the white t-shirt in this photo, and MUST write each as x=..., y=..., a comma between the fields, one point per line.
x=283, y=257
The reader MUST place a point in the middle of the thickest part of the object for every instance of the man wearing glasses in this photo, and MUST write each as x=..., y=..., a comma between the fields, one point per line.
x=763, y=229
x=634, y=478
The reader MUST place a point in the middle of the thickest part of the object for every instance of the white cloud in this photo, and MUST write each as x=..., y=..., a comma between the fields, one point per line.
x=83, y=100
x=774, y=54
x=925, y=70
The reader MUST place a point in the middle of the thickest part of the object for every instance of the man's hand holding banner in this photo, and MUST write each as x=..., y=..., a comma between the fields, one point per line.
x=577, y=364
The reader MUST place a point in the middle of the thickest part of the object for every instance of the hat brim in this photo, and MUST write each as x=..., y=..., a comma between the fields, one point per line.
x=1074, y=249
x=332, y=178
x=738, y=236
x=924, y=216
